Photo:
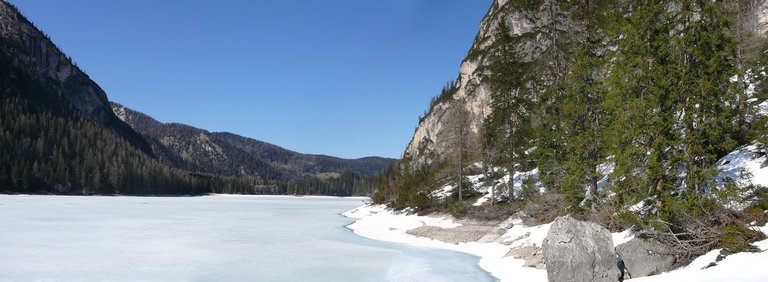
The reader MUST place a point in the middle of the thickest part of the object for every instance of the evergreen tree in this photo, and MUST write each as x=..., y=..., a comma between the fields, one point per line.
x=642, y=96
x=710, y=116
x=509, y=126
x=583, y=122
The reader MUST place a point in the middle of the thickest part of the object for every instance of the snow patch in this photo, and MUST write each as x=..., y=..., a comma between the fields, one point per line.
x=743, y=167
x=622, y=237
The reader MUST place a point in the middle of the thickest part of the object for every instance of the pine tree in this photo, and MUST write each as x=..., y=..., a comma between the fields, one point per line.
x=711, y=118
x=642, y=96
x=582, y=123
x=509, y=126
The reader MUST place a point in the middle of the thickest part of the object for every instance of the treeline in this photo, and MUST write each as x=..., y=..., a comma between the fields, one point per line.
x=348, y=183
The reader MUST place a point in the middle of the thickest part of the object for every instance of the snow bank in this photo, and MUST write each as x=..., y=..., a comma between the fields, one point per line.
x=741, y=267
x=378, y=223
x=743, y=167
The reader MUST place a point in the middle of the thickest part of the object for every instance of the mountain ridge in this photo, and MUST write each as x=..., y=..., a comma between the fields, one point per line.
x=48, y=62
x=60, y=134
x=235, y=155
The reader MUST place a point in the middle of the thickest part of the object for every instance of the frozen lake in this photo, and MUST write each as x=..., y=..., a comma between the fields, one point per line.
x=216, y=238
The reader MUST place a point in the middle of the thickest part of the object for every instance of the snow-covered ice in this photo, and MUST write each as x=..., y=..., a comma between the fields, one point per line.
x=218, y=238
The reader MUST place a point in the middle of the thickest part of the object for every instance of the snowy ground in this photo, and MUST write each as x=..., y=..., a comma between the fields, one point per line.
x=378, y=223
x=744, y=167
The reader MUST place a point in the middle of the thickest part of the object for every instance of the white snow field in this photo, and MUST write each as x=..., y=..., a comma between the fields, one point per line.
x=215, y=238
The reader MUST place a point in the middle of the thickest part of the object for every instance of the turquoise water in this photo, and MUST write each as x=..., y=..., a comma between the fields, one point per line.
x=218, y=238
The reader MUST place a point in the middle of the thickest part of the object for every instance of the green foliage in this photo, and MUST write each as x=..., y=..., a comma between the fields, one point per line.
x=402, y=188
x=348, y=183
x=527, y=4
x=739, y=238
x=645, y=86
x=457, y=209
x=509, y=126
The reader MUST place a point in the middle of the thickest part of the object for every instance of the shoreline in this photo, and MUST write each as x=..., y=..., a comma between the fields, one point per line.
x=378, y=223
x=507, y=255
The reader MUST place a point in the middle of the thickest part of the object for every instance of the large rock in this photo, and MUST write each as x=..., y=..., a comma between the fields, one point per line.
x=579, y=251
x=645, y=257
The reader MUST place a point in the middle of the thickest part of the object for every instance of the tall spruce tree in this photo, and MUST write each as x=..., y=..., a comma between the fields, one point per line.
x=709, y=103
x=641, y=94
x=508, y=127
x=583, y=121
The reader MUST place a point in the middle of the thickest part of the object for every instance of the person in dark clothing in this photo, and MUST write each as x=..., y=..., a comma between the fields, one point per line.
x=620, y=265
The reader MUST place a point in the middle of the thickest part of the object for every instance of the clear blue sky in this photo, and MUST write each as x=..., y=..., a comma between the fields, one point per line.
x=347, y=78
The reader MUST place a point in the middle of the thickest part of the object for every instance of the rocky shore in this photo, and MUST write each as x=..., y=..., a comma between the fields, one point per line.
x=511, y=251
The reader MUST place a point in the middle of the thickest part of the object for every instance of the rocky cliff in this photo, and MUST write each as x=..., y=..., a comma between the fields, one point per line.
x=534, y=31
x=44, y=61
x=542, y=33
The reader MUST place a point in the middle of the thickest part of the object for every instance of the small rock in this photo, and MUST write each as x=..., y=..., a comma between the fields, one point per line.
x=530, y=254
x=645, y=257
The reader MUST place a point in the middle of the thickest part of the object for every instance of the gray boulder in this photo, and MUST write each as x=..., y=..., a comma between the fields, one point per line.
x=646, y=257
x=579, y=251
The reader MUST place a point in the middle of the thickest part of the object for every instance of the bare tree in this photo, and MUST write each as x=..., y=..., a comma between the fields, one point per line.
x=459, y=120
x=490, y=155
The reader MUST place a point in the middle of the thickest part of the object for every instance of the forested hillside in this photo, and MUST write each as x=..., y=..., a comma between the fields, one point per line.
x=59, y=134
x=48, y=146
x=614, y=111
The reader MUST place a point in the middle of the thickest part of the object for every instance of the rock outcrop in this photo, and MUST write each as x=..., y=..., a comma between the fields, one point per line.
x=531, y=255
x=43, y=60
x=543, y=33
x=579, y=251
x=534, y=30
x=645, y=257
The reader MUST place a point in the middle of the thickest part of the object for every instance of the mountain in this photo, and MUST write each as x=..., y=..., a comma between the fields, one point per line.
x=229, y=154
x=615, y=111
x=524, y=48
x=45, y=62
x=59, y=134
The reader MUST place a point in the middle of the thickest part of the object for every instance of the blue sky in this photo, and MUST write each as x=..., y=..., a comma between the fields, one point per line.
x=347, y=78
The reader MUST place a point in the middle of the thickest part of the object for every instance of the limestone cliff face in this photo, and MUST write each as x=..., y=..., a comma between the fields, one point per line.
x=44, y=61
x=531, y=27
x=538, y=31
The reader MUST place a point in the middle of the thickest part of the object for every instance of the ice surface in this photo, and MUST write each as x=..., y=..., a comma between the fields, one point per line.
x=206, y=239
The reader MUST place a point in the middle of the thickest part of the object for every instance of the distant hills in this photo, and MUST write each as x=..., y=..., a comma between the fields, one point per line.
x=229, y=154
x=59, y=134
